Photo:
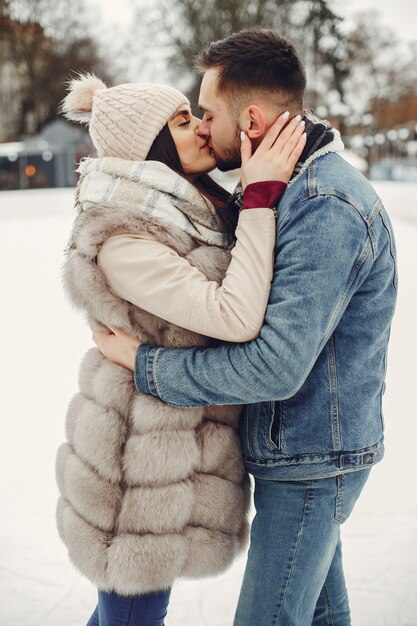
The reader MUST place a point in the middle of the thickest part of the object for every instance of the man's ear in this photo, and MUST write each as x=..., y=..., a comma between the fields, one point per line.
x=253, y=121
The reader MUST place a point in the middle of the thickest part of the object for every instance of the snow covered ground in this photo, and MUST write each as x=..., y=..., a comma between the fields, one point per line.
x=41, y=343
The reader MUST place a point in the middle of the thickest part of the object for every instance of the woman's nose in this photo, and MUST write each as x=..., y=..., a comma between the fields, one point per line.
x=196, y=122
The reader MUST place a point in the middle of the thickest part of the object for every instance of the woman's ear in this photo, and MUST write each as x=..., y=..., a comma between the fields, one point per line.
x=253, y=121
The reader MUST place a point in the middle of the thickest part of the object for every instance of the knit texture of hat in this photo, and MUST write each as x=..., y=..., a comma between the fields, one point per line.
x=123, y=120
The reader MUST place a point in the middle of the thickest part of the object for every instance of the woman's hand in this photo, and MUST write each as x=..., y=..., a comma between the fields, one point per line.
x=276, y=155
x=117, y=346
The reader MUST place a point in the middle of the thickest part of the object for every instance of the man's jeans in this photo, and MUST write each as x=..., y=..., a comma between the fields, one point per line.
x=294, y=574
x=141, y=610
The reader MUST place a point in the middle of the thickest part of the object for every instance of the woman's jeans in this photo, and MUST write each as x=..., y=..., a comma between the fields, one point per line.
x=141, y=610
x=294, y=574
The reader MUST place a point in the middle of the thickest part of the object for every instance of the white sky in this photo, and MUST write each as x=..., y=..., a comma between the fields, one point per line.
x=401, y=15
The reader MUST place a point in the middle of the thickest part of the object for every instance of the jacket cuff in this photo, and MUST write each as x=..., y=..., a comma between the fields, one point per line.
x=263, y=194
x=143, y=372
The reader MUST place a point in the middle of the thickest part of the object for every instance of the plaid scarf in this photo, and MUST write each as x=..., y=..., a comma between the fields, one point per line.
x=151, y=189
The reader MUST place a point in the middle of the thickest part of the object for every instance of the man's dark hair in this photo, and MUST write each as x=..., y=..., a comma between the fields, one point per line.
x=256, y=60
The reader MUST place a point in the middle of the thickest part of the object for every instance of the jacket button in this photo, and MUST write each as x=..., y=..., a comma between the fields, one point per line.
x=368, y=459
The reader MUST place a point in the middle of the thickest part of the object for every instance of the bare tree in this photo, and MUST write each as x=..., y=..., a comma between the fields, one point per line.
x=178, y=31
x=351, y=68
x=41, y=43
x=382, y=70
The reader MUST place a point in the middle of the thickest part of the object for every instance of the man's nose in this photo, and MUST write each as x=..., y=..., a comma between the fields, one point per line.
x=202, y=129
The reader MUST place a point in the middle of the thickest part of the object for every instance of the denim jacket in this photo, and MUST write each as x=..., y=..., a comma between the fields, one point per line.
x=313, y=379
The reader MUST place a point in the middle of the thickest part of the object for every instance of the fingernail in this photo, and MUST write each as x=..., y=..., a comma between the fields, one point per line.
x=302, y=123
x=242, y=136
x=286, y=115
x=298, y=118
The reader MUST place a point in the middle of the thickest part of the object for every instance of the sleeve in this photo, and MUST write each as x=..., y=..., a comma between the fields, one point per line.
x=154, y=277
x=324, y=253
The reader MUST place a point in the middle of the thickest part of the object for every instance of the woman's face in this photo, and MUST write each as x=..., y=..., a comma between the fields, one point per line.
x=194, y=152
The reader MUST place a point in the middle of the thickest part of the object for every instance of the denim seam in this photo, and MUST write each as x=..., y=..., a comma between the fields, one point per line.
x=381, y=393
x=272, y=446
x=328, y=603
x=149, y=371
x=130, y=612
x=340, y=483
x=248, y=445
x=182, y=406
x=375, y=212
x=311, y=183
x=334, y=395
x=300, y=532
x=392, y=253
x=256, y=430
x=374, y=245
x=281, y=426
x=282, y=408
x=372, y=217
x=154, y=364
x=246, y=419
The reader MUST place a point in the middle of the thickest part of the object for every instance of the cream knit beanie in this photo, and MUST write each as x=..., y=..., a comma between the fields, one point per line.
x=124, y=120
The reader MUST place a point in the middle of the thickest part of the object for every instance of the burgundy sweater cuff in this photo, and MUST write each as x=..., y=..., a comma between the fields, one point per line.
x=263, y=194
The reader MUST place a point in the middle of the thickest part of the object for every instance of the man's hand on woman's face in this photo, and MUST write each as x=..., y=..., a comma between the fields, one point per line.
x=117, y=346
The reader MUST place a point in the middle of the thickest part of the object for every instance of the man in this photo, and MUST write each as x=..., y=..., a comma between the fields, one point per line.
x=314, y=378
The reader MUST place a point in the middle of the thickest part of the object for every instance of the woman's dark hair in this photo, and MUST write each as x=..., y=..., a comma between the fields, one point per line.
x=165, y=151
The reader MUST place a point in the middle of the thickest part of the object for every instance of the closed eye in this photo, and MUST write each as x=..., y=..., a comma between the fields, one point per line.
x=185, y=123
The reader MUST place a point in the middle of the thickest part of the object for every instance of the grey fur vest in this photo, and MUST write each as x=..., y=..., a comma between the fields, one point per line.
x=149, y=492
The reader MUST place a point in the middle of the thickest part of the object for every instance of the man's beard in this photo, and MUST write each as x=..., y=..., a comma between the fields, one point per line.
x=231, y=158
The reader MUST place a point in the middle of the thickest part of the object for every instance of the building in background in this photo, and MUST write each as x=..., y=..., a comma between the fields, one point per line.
x=48, y=159
x=391, y=152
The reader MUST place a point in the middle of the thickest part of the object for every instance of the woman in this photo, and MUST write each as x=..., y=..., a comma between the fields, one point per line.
x=150, y=492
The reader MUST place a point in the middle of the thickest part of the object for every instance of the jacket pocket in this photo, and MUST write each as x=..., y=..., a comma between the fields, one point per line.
x=273, y=436
x=260, y=430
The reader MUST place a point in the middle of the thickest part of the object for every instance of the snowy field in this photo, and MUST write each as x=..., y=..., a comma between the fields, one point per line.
x=41, y=344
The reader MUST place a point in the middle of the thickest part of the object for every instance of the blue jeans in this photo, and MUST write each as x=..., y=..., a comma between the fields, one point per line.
x=294, y=574
x=141, y=610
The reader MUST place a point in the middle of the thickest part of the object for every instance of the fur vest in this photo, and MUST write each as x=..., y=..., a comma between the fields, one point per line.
x=149, y=492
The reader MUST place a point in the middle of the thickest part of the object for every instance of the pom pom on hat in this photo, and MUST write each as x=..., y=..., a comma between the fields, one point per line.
x=123, y=120
x=77, y=106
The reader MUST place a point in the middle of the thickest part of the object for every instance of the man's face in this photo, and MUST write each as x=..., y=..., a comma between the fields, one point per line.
x=218, y=124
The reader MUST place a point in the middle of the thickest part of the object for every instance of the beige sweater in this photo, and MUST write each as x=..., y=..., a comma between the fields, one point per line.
x=155, y=278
